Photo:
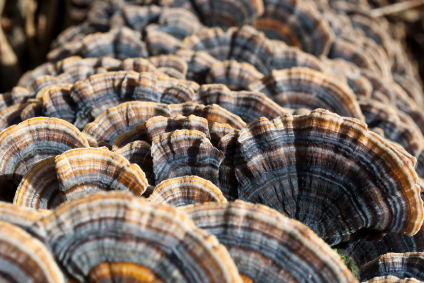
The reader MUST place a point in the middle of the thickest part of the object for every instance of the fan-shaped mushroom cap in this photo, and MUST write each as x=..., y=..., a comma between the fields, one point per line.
x=32, y=110
x=101, y=92
x=12, y=115
x=267, y=246
x=39, y=188
x=18, y=216
x=146, y=239
x=248, y=105
x=184, y=153
x=350, y=52
x=157, y=126
x=391, y=279
x=170, y=61
x=24, y=258
x=138, y=152
x=159, y=42
x=186, y=190
x=407, y=265
x=88, y=170
x=138, y=17
x=298, y=23
x=23, y=145
x=235, y=75
x=118, y=43
x=405, y=132
x=177, y=22
x=213, y=113
x=289, y=57
x=122, y=118
x=298, y=165
x=307, y=88
x=138, y=133
x=198, y=62
x=57, y=102
x=218, y=131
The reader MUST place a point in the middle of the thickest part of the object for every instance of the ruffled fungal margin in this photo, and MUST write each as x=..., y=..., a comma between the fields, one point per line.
x=267, y=246
x=184, y=153
x=24, y=258
x=407, y=265
x=103, y=91
x=327, y=171
x=18, y=216
x=298, y=23
x=306, y=88
x=150, y=240
x=75, y=173
x=246, y=104
x=227, y=175
x=392, y=279
x=198, y=62
x=186, y=190
x=23, y=145
x=235, y=75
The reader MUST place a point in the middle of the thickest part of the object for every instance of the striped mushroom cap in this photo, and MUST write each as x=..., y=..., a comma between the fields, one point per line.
x=285, y=57
x=401, y=265
x=227, y=174
x=159, y=125
x=186, y=190
x=122, y=118
x=267, y=246
x=115, y=237
x=18, y=216
x=298, y=23
x=246, y=104
x=170, y=61
x=57, y=102
x=103, y=91
x=75, y=173
x=198, y=62
x=235, y=75
x=23, y=145
x=307, y=88
x=185, y=153
x=332, y=174
x=25, y=259
x=392, y=279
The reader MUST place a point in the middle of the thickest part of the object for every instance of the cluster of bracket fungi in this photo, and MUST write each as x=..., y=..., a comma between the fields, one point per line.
x=215, y=141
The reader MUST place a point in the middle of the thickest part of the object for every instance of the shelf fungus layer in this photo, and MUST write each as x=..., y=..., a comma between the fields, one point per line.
x=115, y=237
x=329, y=172
x=266, y=246
x=401, y=265
x=184, y=153
x=186, y=190
x=24, y=258
x=306, y=88
x=23, y=145
x=75, y=173
x=391, y=279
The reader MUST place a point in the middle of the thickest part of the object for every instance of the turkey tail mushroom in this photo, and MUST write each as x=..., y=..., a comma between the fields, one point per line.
x=298, y=165
x=115, y=237
x=267, y=246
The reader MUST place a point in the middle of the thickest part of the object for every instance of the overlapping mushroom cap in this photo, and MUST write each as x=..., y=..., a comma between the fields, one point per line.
x=76, y=173
x=186, y=190
x=23, y=145
x=24, y=258
x=116, y=237
x=330, y=173
x=407, y=265
x=267, y=246
x=311, y=89
x=185, y=152
x=18, y=216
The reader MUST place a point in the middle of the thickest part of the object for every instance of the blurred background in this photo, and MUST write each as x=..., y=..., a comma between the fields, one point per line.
x=28, y=28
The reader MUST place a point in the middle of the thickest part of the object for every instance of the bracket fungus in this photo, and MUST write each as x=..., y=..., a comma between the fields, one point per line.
x=186, y=190
x=266, y=246
x=75, y=173
x=184, y=153
x=306, y=88
x=23, y=145
x=406, y=265
x=25, y=259
x=298, y=165
x=114, y=237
